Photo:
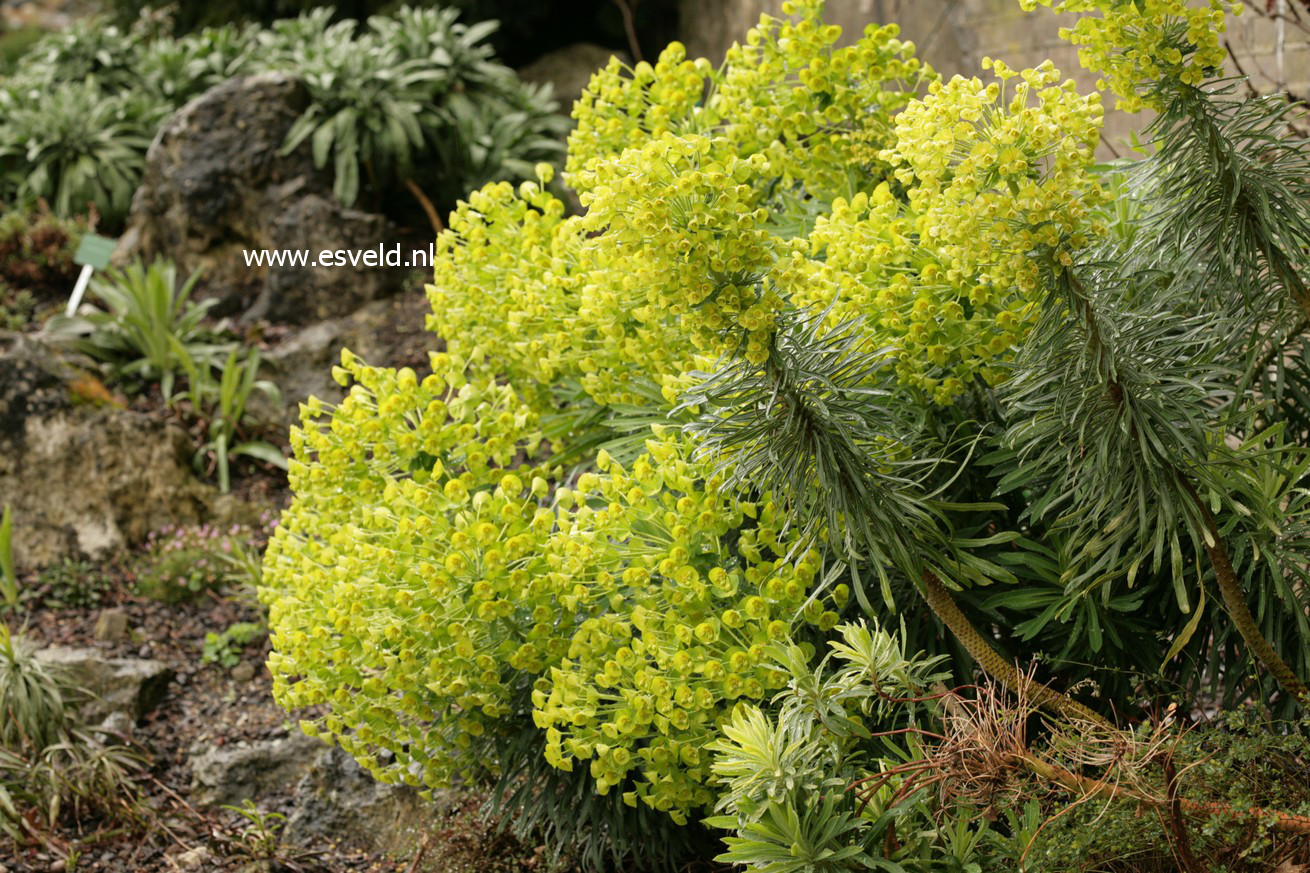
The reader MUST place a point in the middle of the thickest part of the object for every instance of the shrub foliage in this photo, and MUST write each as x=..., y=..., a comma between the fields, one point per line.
x=833, y=336
x=412, y=96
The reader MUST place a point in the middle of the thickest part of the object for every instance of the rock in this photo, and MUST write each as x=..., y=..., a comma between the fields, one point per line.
x=111, y=626
x=569, y=69
x=243, y=672
x=45, y=14
x=335, y=799
x=131, y=686
x=313, y=222
x=118, y=724
x=84, y=479
x=386, y=333
x=216, y=184
x=230, y=774
x=339, y=800
x=193, y=859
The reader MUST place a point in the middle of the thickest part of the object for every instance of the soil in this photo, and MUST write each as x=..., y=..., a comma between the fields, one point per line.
x=207, y=706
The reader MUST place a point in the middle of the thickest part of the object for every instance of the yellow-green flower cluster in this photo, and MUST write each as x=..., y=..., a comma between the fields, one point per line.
x=821, y=113
x=945, y=329
x=516, y=279
x=816, y=110
x=400, y=583
x=679, y=251
x=426, y=572
x=511, y=256
x=1134, y=43
x=699, y=583
x=690, y=231
x=999, y=172
x=625, y=107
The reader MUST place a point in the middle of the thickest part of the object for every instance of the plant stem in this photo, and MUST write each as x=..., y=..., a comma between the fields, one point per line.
x=1238, y=610
x=433, y=217
x=939, y=598
x=1096, y=788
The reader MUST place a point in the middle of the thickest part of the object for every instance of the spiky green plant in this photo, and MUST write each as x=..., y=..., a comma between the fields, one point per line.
x=149, y=328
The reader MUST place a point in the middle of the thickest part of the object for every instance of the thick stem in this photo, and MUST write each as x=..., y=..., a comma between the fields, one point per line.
x=943, y=604
x=1238, y=610
x=1233, y=596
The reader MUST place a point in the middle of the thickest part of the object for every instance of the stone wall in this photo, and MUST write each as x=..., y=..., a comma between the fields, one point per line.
x=954, y=35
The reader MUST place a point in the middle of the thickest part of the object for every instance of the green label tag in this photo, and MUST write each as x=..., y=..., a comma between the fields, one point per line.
x=94, y=251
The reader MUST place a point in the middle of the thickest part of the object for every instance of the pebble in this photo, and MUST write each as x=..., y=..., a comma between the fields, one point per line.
x=193, y=859
x=111, y=626
x=243, y=672
x=119, y=723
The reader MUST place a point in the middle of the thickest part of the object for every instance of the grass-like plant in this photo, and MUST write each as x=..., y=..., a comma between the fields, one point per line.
x=150, y=330
x=51, y=764
x=8, y=575
x=149, y=327
x=223, y=403
x=35, y=698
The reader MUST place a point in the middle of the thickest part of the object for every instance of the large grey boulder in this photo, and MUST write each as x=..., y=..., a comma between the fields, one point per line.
x=131, y=686
x=84, y=477
x=217, y=185
x=569, y=69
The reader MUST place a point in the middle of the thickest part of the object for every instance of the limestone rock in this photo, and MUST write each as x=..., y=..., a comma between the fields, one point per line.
x=111, y=626
x=194, y=859
x=248, y=771
x=83, y=479
x=334, y=798
x=386, y=333
x=339, y=800
x=133, y=686
x=118, y=724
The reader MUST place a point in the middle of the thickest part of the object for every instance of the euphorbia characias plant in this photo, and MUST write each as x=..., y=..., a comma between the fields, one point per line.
x=832, y=336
